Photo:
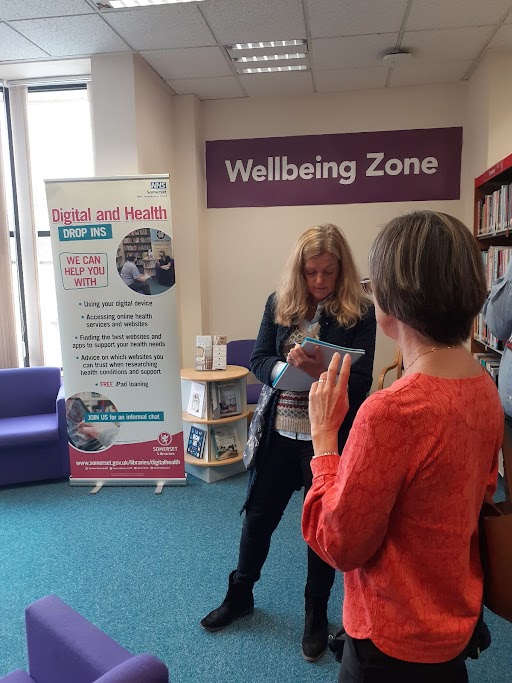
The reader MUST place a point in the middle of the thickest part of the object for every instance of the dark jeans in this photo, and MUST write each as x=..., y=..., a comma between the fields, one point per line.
x=285, y=469
x=141, y=287
x=363, y=662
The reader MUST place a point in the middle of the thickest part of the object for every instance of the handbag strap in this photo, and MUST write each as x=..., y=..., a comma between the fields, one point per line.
x=506, y=448
x=489, y=503
x=507, y=457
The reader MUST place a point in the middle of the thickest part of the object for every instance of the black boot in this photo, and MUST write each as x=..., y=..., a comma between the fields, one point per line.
x=314, y=641
x=238, y=602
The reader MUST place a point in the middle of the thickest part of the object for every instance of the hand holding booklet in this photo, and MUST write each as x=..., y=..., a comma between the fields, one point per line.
x=292, y=378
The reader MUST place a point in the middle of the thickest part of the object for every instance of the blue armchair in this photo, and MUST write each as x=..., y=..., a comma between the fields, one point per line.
x=33, y=434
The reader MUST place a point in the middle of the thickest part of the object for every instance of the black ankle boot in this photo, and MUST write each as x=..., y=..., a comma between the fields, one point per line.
x=314, y=641
x=239, y=602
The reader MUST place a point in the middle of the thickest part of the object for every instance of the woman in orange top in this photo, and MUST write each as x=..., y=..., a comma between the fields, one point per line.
x=398, y=512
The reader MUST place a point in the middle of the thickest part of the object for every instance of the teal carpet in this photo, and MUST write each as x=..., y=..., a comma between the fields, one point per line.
x=147, y=568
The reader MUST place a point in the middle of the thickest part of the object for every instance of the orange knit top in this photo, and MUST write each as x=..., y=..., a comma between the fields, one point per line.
x=398, y=513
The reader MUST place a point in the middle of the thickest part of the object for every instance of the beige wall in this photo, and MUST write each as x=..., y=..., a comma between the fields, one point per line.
x=189, y=225
x=248, y=247
x=153, y=119
x=229, y=260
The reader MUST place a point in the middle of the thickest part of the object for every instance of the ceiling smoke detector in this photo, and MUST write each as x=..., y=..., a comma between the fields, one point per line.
x=394, y=58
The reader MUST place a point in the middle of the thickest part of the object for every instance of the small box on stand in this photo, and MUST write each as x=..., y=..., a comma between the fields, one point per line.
x=211, y=352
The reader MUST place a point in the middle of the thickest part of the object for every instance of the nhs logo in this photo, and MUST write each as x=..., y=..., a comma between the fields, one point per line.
x=158, y=185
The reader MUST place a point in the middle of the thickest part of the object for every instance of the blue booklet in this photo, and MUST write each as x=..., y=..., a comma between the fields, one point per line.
x=196, y=441
x=292, y=378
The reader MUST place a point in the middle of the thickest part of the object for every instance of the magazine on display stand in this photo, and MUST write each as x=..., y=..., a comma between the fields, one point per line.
x=196, y=441
x=228, y=398
x=225, y=443
x=196, y=402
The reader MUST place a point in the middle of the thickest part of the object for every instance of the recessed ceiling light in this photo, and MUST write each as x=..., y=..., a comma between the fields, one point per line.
x=270, y=43
x=119, y=4
x=269, y=69
x=270, y=58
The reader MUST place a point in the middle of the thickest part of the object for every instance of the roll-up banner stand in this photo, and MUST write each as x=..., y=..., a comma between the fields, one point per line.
x=113, y=254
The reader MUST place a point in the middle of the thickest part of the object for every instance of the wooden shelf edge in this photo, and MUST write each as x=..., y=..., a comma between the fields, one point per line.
x=187, y=417
x=231, y=372
x=489, y=348
x=200, y=462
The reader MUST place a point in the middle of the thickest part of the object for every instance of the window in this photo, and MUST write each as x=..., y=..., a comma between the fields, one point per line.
x=5, y=175
x=59, y=145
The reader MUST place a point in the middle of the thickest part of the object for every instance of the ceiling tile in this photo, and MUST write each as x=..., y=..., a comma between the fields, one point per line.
x=334, y=80
x=35, y=9
x=355, y=52
x=208, y=88
x=155, y=28
x=243, y=21
x=189, y=62
x=421, y=74
x=13, y=46
x=503, y=38
x=426, y=14
x=450, y=43
x=276, y=84
x=354, y=17
x=66, y=36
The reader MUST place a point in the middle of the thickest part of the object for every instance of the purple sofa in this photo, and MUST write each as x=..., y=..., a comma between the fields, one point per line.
x=63, y=647
x=33, y=433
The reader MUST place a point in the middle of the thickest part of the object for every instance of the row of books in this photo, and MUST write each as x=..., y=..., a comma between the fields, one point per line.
x=491, y=362
x=494, y=211
x=225, y=443
x=225, y=399
x=484, y=336
x=496, y=260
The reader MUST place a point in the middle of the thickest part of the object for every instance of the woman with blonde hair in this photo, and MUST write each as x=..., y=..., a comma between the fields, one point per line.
x=398, y=511
x=319, y=296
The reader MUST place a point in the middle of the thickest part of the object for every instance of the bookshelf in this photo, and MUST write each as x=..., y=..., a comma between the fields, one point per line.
x=138, y=242
x=493, y=231
x=215, y=463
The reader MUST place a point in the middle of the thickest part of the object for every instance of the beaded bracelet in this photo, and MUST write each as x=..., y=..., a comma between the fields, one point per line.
x=320, y=455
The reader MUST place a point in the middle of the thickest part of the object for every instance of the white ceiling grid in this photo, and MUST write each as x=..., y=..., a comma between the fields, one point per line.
x=186, y=44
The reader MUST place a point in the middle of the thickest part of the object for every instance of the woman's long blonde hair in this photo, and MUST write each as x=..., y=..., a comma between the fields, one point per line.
x=347, y=303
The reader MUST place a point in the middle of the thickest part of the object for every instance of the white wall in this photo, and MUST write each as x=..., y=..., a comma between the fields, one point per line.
x=112, y=93
x=248, y=246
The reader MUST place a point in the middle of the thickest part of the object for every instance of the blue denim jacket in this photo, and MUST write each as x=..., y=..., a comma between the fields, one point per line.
x=498, y=317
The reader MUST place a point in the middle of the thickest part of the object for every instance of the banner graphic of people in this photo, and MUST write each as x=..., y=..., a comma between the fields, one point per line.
x=115, y=277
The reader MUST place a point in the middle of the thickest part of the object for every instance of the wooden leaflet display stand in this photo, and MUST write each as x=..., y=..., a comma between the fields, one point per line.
x=207, y=467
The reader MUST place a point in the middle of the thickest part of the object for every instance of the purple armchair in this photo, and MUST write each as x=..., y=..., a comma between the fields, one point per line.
x=63, y=647
x=239, y=353
x=33, y=433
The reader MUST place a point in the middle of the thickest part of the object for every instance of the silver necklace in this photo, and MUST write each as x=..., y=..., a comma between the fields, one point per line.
x=423, y=353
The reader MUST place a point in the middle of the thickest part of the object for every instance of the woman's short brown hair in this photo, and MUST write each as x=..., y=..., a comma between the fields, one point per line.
x=427, y=270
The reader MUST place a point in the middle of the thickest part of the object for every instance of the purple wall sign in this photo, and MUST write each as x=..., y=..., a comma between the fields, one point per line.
x=346, y=168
